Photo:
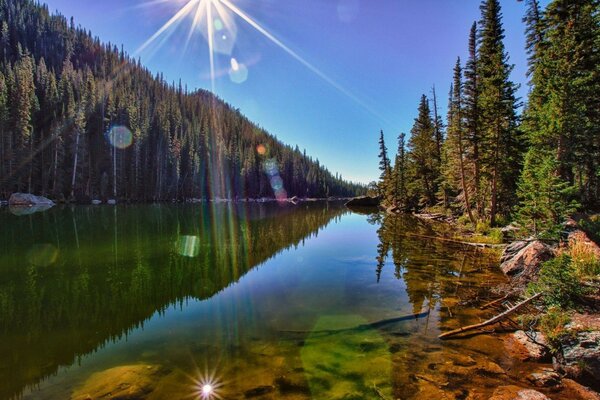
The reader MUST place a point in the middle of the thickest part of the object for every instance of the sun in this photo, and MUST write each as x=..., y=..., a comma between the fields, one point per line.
x=216, y=21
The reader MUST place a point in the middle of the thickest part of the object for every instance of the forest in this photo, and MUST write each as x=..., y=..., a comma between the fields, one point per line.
x=82, y=120
x=497, y=158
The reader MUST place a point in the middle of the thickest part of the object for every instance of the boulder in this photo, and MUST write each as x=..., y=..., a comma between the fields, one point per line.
x=111, y=202
x=579, y=356
x=546, y=377
x=364, y=201
x=96, y=202
x=128, y=382
x=579, y=391
x=525, y=349
x=512, y=392
x=28, y=199
x=525, y=258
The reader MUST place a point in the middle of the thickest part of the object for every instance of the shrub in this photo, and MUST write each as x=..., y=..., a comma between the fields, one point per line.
x=558, y=280
x=552, y=325
x=585, y=261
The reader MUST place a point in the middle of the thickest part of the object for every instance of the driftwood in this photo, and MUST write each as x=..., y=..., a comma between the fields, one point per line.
x=494, y=302
x=371, y=325
x=490, y=321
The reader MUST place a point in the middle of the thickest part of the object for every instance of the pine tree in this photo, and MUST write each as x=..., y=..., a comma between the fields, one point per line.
x=455, y=166
x=422, y=145
x=386, y=170
x=472, y=118
x=546, y=199
x=400, y=174
x=502, y=157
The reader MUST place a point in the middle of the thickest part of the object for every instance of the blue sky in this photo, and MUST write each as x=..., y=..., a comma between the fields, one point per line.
x=375, y=59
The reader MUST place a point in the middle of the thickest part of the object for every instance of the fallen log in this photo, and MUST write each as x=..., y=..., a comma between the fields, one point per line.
x=490, y=321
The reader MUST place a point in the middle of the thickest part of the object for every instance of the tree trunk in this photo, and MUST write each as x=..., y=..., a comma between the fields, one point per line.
x=75, y=165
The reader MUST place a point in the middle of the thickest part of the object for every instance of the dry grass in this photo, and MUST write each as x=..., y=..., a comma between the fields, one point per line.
x=585, y=260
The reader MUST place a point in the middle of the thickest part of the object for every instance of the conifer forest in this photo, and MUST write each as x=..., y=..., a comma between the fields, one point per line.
x=80, y=120
x=491, y=163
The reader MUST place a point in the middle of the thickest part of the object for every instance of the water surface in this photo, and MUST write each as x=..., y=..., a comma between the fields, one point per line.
x=262, y=301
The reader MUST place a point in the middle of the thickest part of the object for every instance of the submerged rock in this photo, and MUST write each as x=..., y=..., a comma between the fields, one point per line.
x=258, y=391
x=364, y=201
x=512, y=392
x=525, y=258
x=28, y=199
x=545, y=377
x=127, y=382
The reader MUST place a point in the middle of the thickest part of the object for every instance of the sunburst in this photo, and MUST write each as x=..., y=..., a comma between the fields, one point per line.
x=216, y=21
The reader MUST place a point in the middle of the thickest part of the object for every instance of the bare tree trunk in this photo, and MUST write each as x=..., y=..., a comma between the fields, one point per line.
x=75, y=165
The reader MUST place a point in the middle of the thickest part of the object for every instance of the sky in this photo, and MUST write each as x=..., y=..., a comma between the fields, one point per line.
x=326, y=75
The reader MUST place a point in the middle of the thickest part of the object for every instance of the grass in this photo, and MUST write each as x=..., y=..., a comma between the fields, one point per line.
x=584, y=260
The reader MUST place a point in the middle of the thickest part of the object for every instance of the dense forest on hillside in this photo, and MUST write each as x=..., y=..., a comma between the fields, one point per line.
x=80, y=119
x=489, y=164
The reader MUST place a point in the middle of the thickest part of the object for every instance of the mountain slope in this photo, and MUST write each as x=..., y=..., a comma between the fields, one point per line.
x=80, y=119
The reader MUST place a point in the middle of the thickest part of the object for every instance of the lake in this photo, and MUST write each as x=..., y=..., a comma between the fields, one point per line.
x=239, y=300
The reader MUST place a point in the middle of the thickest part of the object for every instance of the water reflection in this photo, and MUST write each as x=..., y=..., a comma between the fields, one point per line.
x=72, y=279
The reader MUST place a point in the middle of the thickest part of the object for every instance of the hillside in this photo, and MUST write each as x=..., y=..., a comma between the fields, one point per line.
x=80, y=119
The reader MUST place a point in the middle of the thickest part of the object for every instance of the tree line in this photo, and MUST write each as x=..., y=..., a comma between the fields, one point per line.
x=80, y=120
x=489, y=164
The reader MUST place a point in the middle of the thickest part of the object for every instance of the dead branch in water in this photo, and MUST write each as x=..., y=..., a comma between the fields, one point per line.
x=490, y=321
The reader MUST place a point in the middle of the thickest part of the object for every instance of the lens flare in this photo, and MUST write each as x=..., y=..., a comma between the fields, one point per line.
x=238, y=73
x=207, y=386
x=261, y=149
x=275, y=179
x=188, y=246
x=120, y=137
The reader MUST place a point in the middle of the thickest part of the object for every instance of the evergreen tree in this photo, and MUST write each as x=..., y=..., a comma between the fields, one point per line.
x=501, y=153
x=546, y=199
x=455, y=169
x=400, y=174
x=472, y=118
x=424, y=166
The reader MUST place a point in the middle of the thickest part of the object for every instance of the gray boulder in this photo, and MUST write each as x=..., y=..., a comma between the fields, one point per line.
x=28, y=199
x=579, y=356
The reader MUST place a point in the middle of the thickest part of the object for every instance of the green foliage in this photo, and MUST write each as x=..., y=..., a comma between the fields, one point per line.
x=552, y=325
x=559, y=282
x=546, y=199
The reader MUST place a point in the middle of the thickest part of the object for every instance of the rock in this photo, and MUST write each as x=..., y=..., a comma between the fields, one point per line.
x=546, y=377
x=128, y=382
x=527, y=260
x=111, y=202
x=490, y=368
x=364, y=201
x=522, y=347
x=579, y=390
x=579, y=356
x=258, y=391
x=512, y=392
x=28, y=199
x=296, y=384
x=28, y=210
x=96, y=202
